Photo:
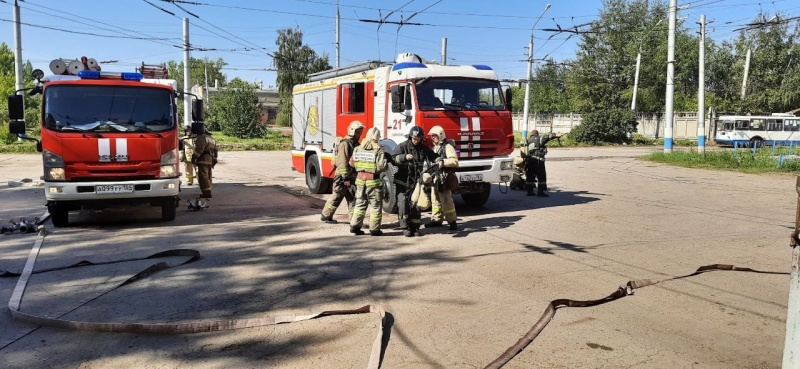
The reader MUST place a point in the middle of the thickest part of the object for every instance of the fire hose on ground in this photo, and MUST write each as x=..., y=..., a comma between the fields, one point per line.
x=378, y=346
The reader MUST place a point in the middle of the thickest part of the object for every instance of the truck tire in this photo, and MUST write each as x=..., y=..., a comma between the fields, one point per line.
x=168, y=209
x=59, y=215
x=389, y=190
x=314, y=180
x=477, y=199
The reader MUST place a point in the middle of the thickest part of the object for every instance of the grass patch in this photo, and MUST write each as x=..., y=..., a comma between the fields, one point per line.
x=741, y=161
x=25, y=147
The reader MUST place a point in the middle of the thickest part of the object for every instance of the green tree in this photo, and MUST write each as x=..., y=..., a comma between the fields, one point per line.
x=237, y=112
x=197, y=69
x=294, y=61
x=237, y=82
x=549, y=89
x=615, y=125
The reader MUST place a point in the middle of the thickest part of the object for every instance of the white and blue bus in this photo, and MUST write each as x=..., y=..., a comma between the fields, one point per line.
x=758, y=130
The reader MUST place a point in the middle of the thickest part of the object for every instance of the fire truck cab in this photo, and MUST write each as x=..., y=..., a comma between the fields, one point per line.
x=107, y=139
x=466, y=100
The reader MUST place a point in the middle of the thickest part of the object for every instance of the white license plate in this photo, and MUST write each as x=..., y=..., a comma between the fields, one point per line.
x=471, y=178
x=121, y=188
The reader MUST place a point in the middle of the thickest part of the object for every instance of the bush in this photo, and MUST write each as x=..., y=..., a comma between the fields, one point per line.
x=237, y=112
x=605, y=126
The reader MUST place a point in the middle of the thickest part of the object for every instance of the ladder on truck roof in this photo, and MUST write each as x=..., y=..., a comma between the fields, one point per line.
x=154, y=71
x=355, y=68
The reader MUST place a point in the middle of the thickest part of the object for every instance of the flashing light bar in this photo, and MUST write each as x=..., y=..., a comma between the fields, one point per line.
x=93, y=74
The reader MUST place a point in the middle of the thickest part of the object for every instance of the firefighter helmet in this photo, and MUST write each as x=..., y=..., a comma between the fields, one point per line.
x=374, y=134
x=354, y=127
x=416, y=131
x=437, y=131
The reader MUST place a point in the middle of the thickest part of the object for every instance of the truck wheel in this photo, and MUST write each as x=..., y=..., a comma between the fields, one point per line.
x=314, y=180
x=168, y=209
x=59, y=215
x=476, y=200
x=389, y=190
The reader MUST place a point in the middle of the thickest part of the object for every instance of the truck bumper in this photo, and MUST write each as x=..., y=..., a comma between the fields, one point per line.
x=88, y=191
x=491, y=170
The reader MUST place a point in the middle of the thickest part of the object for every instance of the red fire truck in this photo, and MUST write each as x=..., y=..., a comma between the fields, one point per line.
x=466, y=100
x=107, y=139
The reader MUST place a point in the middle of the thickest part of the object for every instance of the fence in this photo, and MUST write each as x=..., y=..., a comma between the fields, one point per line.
x=650, y=125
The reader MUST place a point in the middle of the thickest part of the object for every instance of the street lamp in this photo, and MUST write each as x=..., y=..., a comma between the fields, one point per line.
x=526, y=106
x=638, y=63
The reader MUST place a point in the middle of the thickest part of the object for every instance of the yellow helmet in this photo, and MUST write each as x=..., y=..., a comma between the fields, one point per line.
x=353, y=127
x=437, y=131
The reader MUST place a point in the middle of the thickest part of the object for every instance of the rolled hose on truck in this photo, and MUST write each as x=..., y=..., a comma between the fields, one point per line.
x=378, y=346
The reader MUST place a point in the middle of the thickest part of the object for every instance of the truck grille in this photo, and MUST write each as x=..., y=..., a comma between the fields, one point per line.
x=476, y=149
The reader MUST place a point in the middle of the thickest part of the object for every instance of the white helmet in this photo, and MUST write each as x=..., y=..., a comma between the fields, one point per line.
x=374, y=134
x=437, y=131
x=353, y=127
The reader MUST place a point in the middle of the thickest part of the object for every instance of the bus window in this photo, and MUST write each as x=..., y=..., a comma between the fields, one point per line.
x=727, y=125
x=756, y=124
x=742, y=125
x=774, y=124
x=791, y=125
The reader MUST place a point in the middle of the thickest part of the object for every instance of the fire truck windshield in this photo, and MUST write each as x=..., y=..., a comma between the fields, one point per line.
x=459, y=94
x=108, y=109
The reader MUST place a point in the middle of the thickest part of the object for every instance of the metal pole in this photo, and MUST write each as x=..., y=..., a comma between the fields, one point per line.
x=526, y=106
x=20, y=83
x=187, y=99
x=701, y=90
x=337, y=34
x=636, y=80
x=205, y=94
x=791, y=348
x=746, y=71
x=669, y=121
x=444, y=51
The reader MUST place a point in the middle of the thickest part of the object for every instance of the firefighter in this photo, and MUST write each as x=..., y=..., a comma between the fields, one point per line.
x=205, y=158
x=410, y=158
x=369, y=161
x=535, y=173
x=187, y=142
x=442, y=206
x=345, y=173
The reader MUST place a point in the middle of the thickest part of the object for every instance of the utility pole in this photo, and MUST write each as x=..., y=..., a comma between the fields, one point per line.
x=20, y=83
x=526, y=106
x=638, y=64
x=701, y=90
x=444, y=51
x=187, y=99
x=669, y=119
x=746, y=71
x=206, y=95
x=337, y=34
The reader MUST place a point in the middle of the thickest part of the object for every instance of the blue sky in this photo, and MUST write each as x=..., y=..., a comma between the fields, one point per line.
x=478, y=32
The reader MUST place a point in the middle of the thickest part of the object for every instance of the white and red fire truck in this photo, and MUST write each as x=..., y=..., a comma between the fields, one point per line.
x=466, y=100
x=106, y=138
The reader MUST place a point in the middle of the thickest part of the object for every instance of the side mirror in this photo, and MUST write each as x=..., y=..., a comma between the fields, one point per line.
x=16, y=110
x=198, y=128
x=197, y=110
x=16, y=127
x=407, y=99
x=396, y=92
x=508, y=99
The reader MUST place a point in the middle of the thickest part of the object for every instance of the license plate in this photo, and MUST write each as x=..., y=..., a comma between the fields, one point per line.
x=470, y=178
x=121, y=188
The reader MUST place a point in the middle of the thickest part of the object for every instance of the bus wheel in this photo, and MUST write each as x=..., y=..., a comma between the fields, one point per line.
x=314, y=180
x=756, y=142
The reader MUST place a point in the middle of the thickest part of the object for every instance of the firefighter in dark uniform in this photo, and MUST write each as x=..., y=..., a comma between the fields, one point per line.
x=410, y=158
x=205, y=158
x=535, y=172
x=345, y=173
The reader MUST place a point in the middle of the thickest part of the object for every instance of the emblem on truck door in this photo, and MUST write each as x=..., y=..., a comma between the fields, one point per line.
x=104, y=149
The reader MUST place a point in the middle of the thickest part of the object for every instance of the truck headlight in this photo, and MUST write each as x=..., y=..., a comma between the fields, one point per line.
x=506, y=164
x=168, y=171
x=53, y=166
x=169, y=157
x=55, y=174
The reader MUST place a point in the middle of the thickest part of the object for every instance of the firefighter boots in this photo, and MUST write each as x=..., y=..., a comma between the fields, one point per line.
x=356, y=231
